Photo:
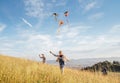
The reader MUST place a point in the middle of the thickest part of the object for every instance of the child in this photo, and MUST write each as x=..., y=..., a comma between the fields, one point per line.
x=61, y=59
x=43, y=57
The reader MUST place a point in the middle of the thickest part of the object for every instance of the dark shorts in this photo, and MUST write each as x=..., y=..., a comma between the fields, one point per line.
x=62, y=66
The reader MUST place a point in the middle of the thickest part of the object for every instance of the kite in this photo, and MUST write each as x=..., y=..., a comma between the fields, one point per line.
x=66, y=13
x=60, y=24
x=55, y=16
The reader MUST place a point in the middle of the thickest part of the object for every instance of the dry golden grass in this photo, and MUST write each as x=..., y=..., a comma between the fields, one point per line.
x=15, y=70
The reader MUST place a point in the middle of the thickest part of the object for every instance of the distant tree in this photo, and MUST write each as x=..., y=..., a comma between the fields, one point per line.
x=116, y=62
x=113, y=67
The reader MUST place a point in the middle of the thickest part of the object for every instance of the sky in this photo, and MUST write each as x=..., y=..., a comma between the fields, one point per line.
x=28, y=28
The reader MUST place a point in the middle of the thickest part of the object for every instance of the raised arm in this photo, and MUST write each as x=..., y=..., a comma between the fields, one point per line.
x=53, y=54
x=40, y=56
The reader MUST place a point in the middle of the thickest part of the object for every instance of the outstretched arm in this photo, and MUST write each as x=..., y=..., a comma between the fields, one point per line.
x=40, y=56
x=53, y=54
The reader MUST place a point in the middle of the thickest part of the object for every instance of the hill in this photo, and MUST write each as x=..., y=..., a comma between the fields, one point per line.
x=113, y=67
x=16, y=70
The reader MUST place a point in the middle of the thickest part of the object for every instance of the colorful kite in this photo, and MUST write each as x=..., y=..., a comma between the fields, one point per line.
x=60, y=24
x=66, y=13
x=55, y=16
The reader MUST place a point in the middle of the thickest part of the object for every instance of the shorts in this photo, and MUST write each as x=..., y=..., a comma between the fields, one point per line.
x=61, y=66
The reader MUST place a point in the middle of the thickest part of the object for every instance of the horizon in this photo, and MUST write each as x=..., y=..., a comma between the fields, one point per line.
x=38, y=59
x=91, y=30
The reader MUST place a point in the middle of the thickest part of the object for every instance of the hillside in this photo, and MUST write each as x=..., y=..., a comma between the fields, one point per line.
x=15, y=70
x=110, y=66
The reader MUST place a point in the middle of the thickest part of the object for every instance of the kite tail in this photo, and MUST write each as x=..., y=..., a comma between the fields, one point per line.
x=58, y=30
x=56, y=19
x=67, y=22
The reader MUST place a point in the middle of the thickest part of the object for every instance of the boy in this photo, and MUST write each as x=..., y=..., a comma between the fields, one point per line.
x=61, y=59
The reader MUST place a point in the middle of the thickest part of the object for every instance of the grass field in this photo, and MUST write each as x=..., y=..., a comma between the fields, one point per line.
x=16, y=70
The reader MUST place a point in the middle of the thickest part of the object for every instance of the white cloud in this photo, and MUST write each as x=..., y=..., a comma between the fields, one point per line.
x=26, y=22
x=29, y=45
x=90, y=6
x=82, y=47
x=37, y=40
x=115, y=28
x=42, y=8
x=95, y=46
x=72, y=31
x=2, y=27
x=34, y=8
x=96, y=16
x=59, y=3
x=7, y=46
x=43, y=40
x=71, y=40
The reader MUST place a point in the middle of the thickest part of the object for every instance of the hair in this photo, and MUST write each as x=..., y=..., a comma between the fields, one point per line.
x=60, y=51
x=42, y=55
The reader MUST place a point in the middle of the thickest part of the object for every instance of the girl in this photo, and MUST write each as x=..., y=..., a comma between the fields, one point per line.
x=43, y=57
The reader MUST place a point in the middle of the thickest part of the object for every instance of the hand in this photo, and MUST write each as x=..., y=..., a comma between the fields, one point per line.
x=39, y=55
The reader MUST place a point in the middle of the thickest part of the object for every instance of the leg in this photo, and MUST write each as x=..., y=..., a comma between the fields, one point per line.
x=62, y=69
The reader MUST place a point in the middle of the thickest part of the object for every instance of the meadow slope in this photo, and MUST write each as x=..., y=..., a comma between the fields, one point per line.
x=16, y=70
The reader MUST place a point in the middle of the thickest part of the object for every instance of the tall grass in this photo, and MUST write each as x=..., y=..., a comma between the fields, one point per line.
x=15, y=70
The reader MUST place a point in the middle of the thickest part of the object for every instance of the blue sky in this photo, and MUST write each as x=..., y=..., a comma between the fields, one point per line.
x=27, y=28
